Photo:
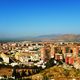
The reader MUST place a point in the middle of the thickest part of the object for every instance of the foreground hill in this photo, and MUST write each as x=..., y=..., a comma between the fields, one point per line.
x=57, y=73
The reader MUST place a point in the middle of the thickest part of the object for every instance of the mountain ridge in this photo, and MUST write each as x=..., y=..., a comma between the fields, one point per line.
x=52, y=37
x=57, y=37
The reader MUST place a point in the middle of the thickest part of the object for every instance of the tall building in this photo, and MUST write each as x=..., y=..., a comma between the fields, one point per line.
x=43, y=52
x=76, y=51
x=52, y=53
x=63, y=49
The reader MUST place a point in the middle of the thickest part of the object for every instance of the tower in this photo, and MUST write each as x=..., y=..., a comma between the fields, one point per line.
x=52, y=53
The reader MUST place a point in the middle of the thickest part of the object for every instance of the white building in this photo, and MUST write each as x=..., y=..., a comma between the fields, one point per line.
x=5, y=58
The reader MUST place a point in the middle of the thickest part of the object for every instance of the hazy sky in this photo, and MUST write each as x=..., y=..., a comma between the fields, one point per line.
x=19, y=18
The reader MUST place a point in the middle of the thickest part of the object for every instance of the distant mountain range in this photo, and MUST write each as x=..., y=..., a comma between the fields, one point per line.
x=59, y=37
x=52, y=37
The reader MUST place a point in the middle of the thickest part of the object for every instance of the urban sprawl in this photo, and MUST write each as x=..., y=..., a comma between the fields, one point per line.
x=28, y=58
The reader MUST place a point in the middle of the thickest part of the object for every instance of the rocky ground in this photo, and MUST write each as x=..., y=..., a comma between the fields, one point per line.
x=58, y=73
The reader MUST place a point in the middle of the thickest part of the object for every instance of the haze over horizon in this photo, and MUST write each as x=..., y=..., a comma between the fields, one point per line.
x=28, y=18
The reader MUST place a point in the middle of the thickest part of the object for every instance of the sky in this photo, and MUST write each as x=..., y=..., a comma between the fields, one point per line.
x=24, y=18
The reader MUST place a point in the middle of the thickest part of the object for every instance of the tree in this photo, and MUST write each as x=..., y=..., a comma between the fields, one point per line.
x=50, y=63
x=66, y=72
x=14, y=72
x=23, y=73
x=45, y=78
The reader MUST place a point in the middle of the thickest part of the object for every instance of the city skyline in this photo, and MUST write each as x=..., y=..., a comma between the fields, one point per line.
x=24, y=18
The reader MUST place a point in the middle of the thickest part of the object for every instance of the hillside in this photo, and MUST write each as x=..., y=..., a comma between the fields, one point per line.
x=57, y=73
x=52, y=37
x=59, y=37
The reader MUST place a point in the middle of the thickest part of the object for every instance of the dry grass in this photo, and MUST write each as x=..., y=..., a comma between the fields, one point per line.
x=5, y=71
